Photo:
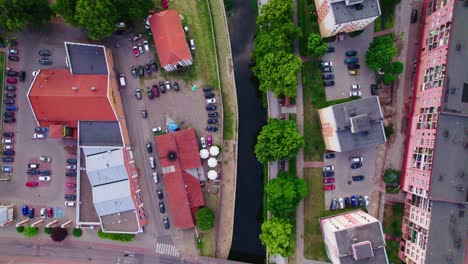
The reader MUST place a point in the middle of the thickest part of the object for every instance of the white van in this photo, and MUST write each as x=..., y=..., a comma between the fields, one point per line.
x=122, y=80
x=155, y=177
x=192, y=44
x=152, y=164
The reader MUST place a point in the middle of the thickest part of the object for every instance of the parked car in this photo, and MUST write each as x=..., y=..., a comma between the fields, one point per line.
x=203, y=142
x=25, y=210
x=11, y=107
x=329, y=187
x=213, y=114
x=134, y=72
x=211, y=129
x=356, y=165
x=10, y=95
x=211, y=101
x=138, y=94
x=70, y=174
x=70, y=197
x=366, y=200
x=330, y=155
x=328, y=76
x=10, y=88
x=328, y=174
x=9, y=114
x=45, y=53
x=168, y=85
x=32, y=172
x=8, y=159
x=45, y=61
x=148, y=69
x=71, y=167
x=351, y=60
x=149, y=148
x=162, y=210
x=9, y=102
x=328, y=83
x=209, y=95
x=328, y=168
x=44, y=178
x=326, y=63
x=156, y=129
x=154, y=68
x=137, y=37
x=373, y=89
x=33, y=166
x=141, y=70
x=144, y=113
x=358, y=178
x=41, y=129
x=135, y=51
x=7, y=168
x=12, y=73
x=38, y=136
x=45, y=159
x=334, y=204
x=32, y=184
x=140, y=48
x=155, y=177
x=8, y=147
x=9, y=120
x=341, y=203
x=328, y=180
x=161, y=87
x=70, y=203
x=211, y=107
x=12, y=51
x=166, y=223
x=353, y=201
x=353, y=66
x=209, y=139
x=11, y=80
x=351, y=53
x=160, y=194
x=353, y=73
x=31, y=213
x=22, y=76
x=44, y=172
x=347, y=202
x=207, y=89
x=360, y=200
x=330, y=49
x=50, y=212
x=155, y=90
x=355, y=87
x=414, y=16
x=176, y=86
x=7, y=141
x=150, y=94
x=355, y=93
x=152, y=163
x=327, y=69
x=146, y=46
x=356, y=159
x=212, y=121
x=13, y=58
x=72, y=161
x=8, y=134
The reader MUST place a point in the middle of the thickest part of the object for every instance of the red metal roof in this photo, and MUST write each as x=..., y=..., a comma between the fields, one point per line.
x=57, y=97
x=169, y=37
x=183, y=190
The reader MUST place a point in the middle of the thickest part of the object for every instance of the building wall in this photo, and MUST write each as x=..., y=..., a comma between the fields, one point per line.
x=328, y=125
x=427, y=98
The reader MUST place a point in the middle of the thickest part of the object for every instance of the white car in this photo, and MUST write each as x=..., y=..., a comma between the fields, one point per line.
x=140, y=48
x=70, y=203
x=355, y=93
x=8, y=147
x=326, y=63
x=33, y=166
x=146, y=46
x=44, y=178
x=155, y=177
x=355, y=87
x=43, y=213
x=39, y=136
x=35, y=73
x=192, y=44
x=328, y=168
x=211, y=101
x=71, y=167
x=168, y=85
x=156, y=129
x=147, y=23
x=356, y=159
x=366, y=200
x=203, y=142
x=151, y=162
x=341, y=203
x=45, y=159
x=7, y=141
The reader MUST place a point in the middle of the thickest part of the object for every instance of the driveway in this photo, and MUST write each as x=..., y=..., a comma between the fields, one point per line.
x=343, y=80
x=345, y=186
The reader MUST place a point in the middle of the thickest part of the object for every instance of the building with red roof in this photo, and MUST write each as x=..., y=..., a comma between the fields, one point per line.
x=182, y=170
x=169, y=38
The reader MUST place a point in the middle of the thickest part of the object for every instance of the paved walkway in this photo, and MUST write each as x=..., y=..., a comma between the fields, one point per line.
x=384, y=32
x=313, y=164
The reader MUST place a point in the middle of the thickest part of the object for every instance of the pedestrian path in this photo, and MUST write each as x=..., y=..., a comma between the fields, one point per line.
x=313, y=164
x=166, y=249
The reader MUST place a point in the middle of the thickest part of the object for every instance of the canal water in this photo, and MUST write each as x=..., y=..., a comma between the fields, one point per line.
x=246, y=245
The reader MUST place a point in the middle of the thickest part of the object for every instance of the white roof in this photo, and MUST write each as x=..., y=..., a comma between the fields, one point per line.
x=106, y=166
x=113, y=198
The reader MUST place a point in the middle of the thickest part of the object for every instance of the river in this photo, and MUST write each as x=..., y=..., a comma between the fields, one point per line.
x=246, y=245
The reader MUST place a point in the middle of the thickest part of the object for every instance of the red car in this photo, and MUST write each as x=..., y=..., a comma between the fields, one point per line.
x=50, y=212
x=71, y=185
x=329, y=187
x=328, y=180
x=32, y=184
x=155, y=90
x=12, y=80
x=135, y=51
x=209, y=139
x=165, y=4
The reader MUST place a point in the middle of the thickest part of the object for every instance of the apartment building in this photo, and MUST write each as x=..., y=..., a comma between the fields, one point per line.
x=344, y=16
x=435, y=175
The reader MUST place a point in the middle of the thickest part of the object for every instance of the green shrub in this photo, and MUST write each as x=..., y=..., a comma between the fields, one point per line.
x=389, y=130
x=48, y=230
x=30, y=231
x=205, y=218
x=392, y=176
x=116, y=237
x=20, y=229
x=77, y=232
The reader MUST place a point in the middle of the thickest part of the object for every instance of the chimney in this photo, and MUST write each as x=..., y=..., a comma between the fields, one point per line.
x=93, y=89
x=75, y=88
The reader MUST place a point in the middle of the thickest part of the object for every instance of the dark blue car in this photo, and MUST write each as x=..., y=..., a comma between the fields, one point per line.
x=353, y=201
x=25, y=210
x=31, y=213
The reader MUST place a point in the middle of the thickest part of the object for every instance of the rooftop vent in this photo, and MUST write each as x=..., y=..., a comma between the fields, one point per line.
x=172, y=155
x=445, y=133
x=458, y=46
x=75, y=88
x=460, y=188
x=93, y=88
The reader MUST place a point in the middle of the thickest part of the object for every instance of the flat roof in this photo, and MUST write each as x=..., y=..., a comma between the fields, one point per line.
x=370, y=130
x=113, y=198
x=455, y=98
x=348, y=13
x=447, y=233
x=380, y=256
x=100, y=133
x=87, y=210
x=86, y=58
x=121, y=222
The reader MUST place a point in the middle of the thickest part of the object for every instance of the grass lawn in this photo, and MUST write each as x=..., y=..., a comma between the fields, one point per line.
x=387, y=19
x=208, y=237
x=393, y=216
x=314, y=209
x=307, y=21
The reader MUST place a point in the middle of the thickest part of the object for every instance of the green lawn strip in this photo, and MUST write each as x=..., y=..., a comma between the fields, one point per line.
x=392, y=251
x=387, y=19
x=208, y=237
x=392, y=219
x=314, y=209
x=307, y=21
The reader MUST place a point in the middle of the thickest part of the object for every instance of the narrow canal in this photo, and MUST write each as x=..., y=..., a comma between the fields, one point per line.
x=246, y=245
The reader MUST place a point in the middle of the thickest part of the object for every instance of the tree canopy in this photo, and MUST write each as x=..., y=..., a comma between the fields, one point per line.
x=284, y=194
x=30, y=231
x=277, y=72
x=205, y=218
x=277, y=235
x=275, y=13
x=67, y=10
x=58, y=234
x=316, y=46
x=380, y=55
x=14, y=15
x=97, y=17
x=270, y=42
x=279, y=139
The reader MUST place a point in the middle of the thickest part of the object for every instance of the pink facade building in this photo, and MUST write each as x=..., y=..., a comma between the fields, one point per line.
x=435, y=175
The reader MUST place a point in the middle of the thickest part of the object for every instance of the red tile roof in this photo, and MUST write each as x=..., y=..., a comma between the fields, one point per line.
x=183, y=190
x=169, y=37
x=55, y=102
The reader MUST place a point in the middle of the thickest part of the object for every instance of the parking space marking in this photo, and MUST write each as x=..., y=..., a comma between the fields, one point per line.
x=58, y=212
x=166, y=249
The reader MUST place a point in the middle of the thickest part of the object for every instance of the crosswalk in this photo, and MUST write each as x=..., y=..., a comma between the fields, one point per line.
x=166, y=249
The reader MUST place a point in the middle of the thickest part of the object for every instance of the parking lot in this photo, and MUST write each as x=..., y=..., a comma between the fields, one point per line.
x=343, y=80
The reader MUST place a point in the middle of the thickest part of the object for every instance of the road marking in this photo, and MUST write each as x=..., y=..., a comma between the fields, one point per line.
x=166, y=249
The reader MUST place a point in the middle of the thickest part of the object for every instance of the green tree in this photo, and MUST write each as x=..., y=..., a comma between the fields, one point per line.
x=284, y=194
x=316, y=46
x=20, y=229
x=391, y=176
x=277, y=235
x=58, y=234
x=381, y=52
x=279, y=139
x=67, y=10
x=48, y=230
x=77, y=232
x=275, y=13
x=30, y=231
x=135, y=9
x=205, y=218
x=14, y=15
x=388, y=78
x=398, y=67
x=98, y=18
x=270, y=42
x=278, y=72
